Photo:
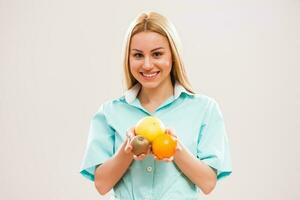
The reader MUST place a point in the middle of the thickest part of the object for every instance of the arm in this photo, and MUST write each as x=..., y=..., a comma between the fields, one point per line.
x=110, y=172
x=196, y=170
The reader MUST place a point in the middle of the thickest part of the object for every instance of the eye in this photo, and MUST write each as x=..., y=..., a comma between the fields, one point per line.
x=137, y=55
x=157, y=54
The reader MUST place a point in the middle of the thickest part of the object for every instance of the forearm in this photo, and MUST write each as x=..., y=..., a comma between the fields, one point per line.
x=196, y=170
x=111, y=171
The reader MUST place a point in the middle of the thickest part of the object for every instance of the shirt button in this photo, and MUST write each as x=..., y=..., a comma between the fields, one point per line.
x=149, y=169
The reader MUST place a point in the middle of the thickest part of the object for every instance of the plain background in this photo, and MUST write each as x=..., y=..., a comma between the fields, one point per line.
x=60, y=59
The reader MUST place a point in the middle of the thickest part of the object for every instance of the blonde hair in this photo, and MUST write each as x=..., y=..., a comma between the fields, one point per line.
x=152, y=21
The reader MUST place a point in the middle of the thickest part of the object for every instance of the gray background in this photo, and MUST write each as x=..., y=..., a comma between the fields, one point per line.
x=60, y=59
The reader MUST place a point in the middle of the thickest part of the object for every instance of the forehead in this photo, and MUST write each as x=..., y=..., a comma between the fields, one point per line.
x=148, y=40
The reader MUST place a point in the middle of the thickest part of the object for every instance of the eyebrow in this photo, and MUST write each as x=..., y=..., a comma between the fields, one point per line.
x=151, y=50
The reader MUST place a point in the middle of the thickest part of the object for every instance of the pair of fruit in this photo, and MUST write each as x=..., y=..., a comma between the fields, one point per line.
x=151, y=131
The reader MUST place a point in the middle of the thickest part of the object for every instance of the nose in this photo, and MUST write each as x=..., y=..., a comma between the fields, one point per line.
x=147, y=63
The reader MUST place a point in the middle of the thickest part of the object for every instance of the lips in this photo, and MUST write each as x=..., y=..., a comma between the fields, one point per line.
x=150, y=75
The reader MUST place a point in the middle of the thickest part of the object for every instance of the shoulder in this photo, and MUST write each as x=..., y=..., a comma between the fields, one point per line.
x=204, y=104
x=211, y=107
x=202, y=100
x=110, y=105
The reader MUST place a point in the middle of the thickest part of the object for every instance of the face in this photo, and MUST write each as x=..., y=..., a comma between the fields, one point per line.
x=150, y=59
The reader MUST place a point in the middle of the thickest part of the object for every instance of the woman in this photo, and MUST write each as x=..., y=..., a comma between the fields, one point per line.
x=157, y=86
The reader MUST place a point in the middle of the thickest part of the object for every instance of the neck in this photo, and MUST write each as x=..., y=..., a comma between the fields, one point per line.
x=156, y=95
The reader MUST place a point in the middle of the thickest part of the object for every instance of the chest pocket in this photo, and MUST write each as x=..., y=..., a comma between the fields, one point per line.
x=187, y=134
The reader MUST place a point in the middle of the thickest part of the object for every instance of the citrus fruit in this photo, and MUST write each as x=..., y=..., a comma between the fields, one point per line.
x=149, y=127
x=164, y=146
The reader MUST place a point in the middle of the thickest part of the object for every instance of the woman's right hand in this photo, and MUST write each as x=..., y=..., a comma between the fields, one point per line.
x=128, y=148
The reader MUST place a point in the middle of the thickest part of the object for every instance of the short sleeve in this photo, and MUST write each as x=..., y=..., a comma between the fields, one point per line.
x=213, y=146
x=100, y=145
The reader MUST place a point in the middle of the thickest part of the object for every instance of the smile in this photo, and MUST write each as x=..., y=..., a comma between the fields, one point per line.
x=149, y=75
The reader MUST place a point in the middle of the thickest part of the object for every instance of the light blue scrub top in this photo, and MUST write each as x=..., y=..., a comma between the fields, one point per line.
x=198, y=123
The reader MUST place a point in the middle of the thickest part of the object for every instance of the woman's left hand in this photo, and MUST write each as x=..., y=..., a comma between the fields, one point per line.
x=171, y=132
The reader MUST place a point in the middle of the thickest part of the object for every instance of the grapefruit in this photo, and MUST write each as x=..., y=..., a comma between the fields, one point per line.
x=149, y=127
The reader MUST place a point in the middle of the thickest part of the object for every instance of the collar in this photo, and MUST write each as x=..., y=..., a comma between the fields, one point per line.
x=131, y=94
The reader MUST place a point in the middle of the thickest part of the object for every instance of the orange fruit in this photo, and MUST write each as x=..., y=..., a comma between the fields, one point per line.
x=149, y=127
x=164, y=146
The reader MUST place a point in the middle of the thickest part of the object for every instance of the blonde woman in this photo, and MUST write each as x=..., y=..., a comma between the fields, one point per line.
x=157, y=86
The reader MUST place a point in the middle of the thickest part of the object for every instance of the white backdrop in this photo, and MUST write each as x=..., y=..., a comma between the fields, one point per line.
x=60, y=59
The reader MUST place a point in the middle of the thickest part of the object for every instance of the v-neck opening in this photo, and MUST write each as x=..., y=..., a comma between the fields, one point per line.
x=165, y=103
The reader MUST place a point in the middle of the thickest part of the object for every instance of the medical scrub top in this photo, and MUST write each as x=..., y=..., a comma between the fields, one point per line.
x=198, y=124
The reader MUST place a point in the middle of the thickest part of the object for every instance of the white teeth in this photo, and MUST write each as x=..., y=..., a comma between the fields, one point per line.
x=150, y=75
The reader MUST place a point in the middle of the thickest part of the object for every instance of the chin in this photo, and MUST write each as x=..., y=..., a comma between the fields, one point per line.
x=150, y=85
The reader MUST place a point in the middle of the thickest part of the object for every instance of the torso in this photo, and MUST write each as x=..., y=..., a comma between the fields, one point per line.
x=150, y=107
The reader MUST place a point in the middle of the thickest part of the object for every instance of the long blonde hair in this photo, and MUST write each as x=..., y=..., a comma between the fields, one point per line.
x=152, y=21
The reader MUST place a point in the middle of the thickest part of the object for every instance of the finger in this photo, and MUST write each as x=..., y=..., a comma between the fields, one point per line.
x=171, y=131
x=149, y=150
x=167, y=131
x=130, y=133
x=156, y=158
x=128, y=137
x=142, y=156
x=139, y=157
x=165, y=160
x=128, y=148
x=178, y=148
x=170, y=159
